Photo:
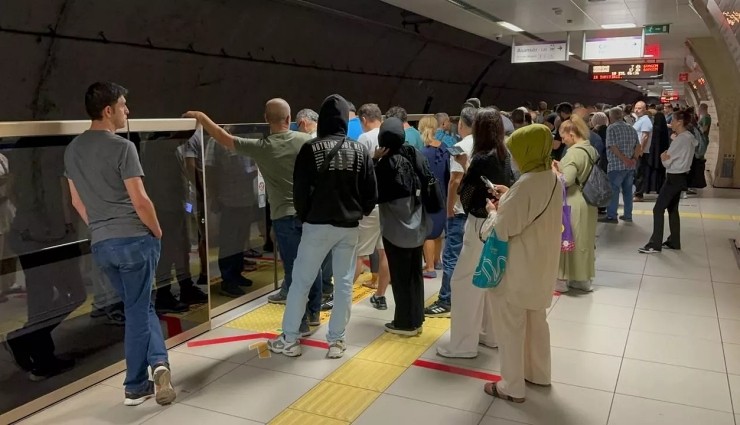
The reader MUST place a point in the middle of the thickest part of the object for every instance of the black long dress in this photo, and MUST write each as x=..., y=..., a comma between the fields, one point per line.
x=655, y=171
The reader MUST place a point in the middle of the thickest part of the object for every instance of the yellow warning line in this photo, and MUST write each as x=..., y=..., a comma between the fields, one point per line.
x=343, y=395
x=684, y=214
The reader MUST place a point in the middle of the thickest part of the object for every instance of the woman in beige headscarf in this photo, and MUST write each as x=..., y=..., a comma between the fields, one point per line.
x=529, y=217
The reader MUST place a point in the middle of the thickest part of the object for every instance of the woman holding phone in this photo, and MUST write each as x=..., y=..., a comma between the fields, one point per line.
x=471, y=310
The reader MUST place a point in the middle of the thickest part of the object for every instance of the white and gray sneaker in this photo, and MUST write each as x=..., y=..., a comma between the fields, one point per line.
x=282, y=346
x=336, y=349
x=164, y=393
x=561, y=286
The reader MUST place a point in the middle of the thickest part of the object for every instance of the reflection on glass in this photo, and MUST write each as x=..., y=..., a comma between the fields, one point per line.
x=238, y=228
x=60, y=318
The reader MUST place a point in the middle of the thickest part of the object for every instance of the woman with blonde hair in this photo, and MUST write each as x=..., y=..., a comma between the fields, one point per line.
x=439, y=163
x=578, y=267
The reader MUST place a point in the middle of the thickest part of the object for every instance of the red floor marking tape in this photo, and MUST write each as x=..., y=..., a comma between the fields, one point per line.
x=248, y=337
x=174, y=325
x=457, y=370
x=556, y=294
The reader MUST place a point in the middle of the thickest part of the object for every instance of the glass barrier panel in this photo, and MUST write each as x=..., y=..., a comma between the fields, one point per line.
x=60, y=318
x=241, y=249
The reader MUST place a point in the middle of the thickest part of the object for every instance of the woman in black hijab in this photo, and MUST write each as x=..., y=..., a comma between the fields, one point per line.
x=655, y=172
x=402, y=173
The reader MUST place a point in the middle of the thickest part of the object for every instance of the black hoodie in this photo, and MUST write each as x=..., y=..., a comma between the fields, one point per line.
x=347, y=190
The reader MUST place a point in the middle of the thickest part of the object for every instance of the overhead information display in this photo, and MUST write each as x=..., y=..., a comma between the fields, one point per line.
x=613, y=48
x=540, y=52
x=626, y=71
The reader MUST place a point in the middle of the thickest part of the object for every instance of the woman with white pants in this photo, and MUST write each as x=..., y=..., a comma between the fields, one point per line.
x=472, y=320
x=529, y=217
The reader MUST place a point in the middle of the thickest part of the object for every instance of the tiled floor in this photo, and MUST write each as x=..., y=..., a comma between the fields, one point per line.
x=657, y=342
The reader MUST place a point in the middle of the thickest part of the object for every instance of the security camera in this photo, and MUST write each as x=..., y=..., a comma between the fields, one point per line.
x=498, y=36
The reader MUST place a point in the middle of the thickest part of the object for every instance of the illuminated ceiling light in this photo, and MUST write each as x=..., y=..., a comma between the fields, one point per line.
x=571, y=53
x=618, y=26
x=510, y=27
x=647, y=56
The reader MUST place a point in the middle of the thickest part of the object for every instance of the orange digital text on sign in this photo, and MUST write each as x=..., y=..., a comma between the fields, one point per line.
x=651, y=67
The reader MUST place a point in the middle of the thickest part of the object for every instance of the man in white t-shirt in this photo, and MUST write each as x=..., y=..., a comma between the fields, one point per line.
x=644, y=128
x=371, y=238
x=456, y=218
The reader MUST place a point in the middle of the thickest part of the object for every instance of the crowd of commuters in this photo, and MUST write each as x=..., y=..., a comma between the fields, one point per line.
x=354, y=183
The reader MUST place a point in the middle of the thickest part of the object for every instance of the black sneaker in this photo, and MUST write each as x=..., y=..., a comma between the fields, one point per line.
x=378, y=302
x=278, y=298
x=314, y=319
x=608, y=220
x=392, y=328
x=138, y=397
x=623, y=218
x=191, y=294
x=45, y=371
x=649, y=249
x=243, y=281
x=305, y=330
x=167, y=303
x=231, y=289
x=668, y=245
x=202, y=280
x=437, y=310
x=328, y=304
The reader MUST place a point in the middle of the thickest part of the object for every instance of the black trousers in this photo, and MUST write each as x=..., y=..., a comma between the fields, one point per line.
x=668, y=199
x=405, y=268
x=641, y=182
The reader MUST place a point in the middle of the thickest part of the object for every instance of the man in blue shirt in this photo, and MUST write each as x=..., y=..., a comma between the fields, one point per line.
x=354, y=126
x=413, y=137
x=443, y=133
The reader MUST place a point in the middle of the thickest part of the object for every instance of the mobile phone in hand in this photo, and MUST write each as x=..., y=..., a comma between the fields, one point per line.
x=455, y=150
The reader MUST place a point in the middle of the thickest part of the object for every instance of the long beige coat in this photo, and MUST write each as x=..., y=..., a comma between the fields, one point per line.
x=580, y=264
x=534, y=245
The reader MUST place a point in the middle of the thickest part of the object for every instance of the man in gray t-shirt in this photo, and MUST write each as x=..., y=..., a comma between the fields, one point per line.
x=105, y=182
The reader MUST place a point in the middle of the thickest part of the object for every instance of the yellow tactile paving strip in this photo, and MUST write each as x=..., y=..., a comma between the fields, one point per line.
x=269, y=317
x=342, y=396
x=706, y=216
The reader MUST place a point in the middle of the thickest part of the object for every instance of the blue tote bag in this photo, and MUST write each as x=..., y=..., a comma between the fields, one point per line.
x=492, y=264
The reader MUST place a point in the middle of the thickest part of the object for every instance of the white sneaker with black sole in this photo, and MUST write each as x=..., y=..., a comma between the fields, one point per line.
x=282, y=346
x=647, y=249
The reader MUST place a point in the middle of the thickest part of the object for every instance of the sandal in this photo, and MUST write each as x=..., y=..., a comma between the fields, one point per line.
x=492, y=390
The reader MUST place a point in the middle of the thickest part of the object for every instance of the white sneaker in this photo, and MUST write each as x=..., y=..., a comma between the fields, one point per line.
x=164, y=393
x=446, y=353
x=336, y=349
x=561, y=286
x=282, y=346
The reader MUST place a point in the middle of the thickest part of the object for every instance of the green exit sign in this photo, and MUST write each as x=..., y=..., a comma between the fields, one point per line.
x=657, y=29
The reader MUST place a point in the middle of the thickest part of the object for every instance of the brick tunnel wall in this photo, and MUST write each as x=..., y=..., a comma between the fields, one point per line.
x=228, y=56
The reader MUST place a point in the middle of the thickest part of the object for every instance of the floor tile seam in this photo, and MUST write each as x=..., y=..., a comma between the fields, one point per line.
x=678, y=312
x=692, y=337
x=624, y=350
x=201, y=356
x=589, y=324
x=594, y=302
x=444, y=405
x=677, y=365
x=160, y=411
x=675, y=403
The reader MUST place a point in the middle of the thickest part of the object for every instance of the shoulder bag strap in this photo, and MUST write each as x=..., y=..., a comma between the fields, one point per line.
x=330, y=156
x=591, y=161
x=555, y=186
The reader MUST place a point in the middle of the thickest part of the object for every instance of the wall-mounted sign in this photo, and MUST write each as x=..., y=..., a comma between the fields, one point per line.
x=540, y=52
x=669, y=99
x=613, y=48
x=626, y=71
x=683, y=77
x=652, y=50
x=657, y=29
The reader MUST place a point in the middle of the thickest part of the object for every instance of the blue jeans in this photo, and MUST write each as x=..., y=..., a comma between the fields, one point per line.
x=288, y=232
x=129, y=264
x=453, y=246
x=621, y=180
x=316, y=243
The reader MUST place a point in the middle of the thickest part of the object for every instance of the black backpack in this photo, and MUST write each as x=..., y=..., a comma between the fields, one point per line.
x=597, y=190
